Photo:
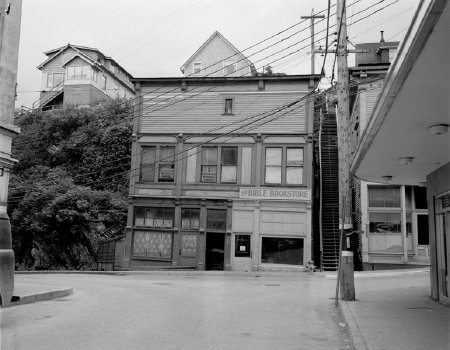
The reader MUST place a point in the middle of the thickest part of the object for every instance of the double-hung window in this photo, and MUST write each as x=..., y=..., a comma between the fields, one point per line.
x=211, y=163
x=157, y=164
x=284, y=165
x=229, y=159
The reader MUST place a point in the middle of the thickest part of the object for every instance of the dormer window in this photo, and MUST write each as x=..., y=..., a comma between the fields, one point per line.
x=229, y=67
x=197, y=67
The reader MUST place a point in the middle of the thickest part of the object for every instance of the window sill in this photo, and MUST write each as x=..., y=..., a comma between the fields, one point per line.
x=149, y=258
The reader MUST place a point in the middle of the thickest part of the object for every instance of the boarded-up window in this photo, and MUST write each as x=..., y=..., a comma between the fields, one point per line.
x=246, y=173
x=191, y=165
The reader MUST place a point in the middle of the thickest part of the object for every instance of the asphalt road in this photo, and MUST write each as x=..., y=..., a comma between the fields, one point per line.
x=181, y=311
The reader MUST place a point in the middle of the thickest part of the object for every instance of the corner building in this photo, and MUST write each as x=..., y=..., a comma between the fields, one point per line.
x=221, y=173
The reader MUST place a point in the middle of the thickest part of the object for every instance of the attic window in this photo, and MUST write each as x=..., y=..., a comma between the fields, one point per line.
x=229, y=67
x=197, y=67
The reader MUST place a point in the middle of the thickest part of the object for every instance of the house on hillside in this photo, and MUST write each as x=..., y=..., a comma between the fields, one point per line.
x=81, y=76
x=393, y=218
x=217, y=57
x=406, y=142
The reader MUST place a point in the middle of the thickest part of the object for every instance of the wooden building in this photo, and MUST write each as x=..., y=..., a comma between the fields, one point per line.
x=221, y=173
x=81, y=76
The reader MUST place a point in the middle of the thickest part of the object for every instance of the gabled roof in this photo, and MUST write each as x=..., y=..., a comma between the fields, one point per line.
x=55, y=52
x=216, y=33
x=83, y=57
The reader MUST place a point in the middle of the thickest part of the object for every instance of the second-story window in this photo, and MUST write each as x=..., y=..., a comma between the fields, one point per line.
x=209, y=164
x=229, y=161
x=78, y=72
x=54, y=79
x=197, y=67
x=284, y=166
x=227, y=164
x=157, y=160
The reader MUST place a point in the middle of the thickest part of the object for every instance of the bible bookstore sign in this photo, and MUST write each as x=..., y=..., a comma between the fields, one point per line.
x=275, y=193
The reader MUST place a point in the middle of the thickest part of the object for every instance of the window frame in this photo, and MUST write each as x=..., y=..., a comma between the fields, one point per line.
x=164, y=229
x=387, y=210
x=157, y=163
x=51, y=77
x=219, y=165
x=225, y=110
x=284, y=165
x=81, y=76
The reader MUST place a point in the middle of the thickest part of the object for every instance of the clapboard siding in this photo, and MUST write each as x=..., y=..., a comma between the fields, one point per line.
x=372, y=92
x=202, y=111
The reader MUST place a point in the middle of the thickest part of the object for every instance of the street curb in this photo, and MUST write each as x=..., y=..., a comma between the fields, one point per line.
x=45, y=296
x=354, y=331
x=385, y=273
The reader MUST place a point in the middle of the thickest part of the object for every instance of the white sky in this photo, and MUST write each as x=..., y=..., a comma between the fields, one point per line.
x=153, y=38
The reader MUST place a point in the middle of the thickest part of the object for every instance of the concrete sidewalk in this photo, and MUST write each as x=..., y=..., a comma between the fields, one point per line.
x=403, y=318
x=26, y=293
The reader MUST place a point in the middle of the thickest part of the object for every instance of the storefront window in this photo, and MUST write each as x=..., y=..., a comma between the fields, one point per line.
x=190, y=219
x=385, y=223
x=242, y=246
x=154, y=217
x=152, y=244
x=277, y=250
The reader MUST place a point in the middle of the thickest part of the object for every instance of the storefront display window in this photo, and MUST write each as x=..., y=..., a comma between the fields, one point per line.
x=279, y=250
x=385, y=223
x=190, y=219
x=152, y=244
x=154, y=217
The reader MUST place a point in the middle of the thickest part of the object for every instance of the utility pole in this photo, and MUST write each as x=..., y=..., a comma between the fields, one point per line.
x=312, y=17
x=343, y=122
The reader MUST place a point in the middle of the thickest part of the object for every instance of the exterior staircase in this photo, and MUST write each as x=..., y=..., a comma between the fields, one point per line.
x=330, y=193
